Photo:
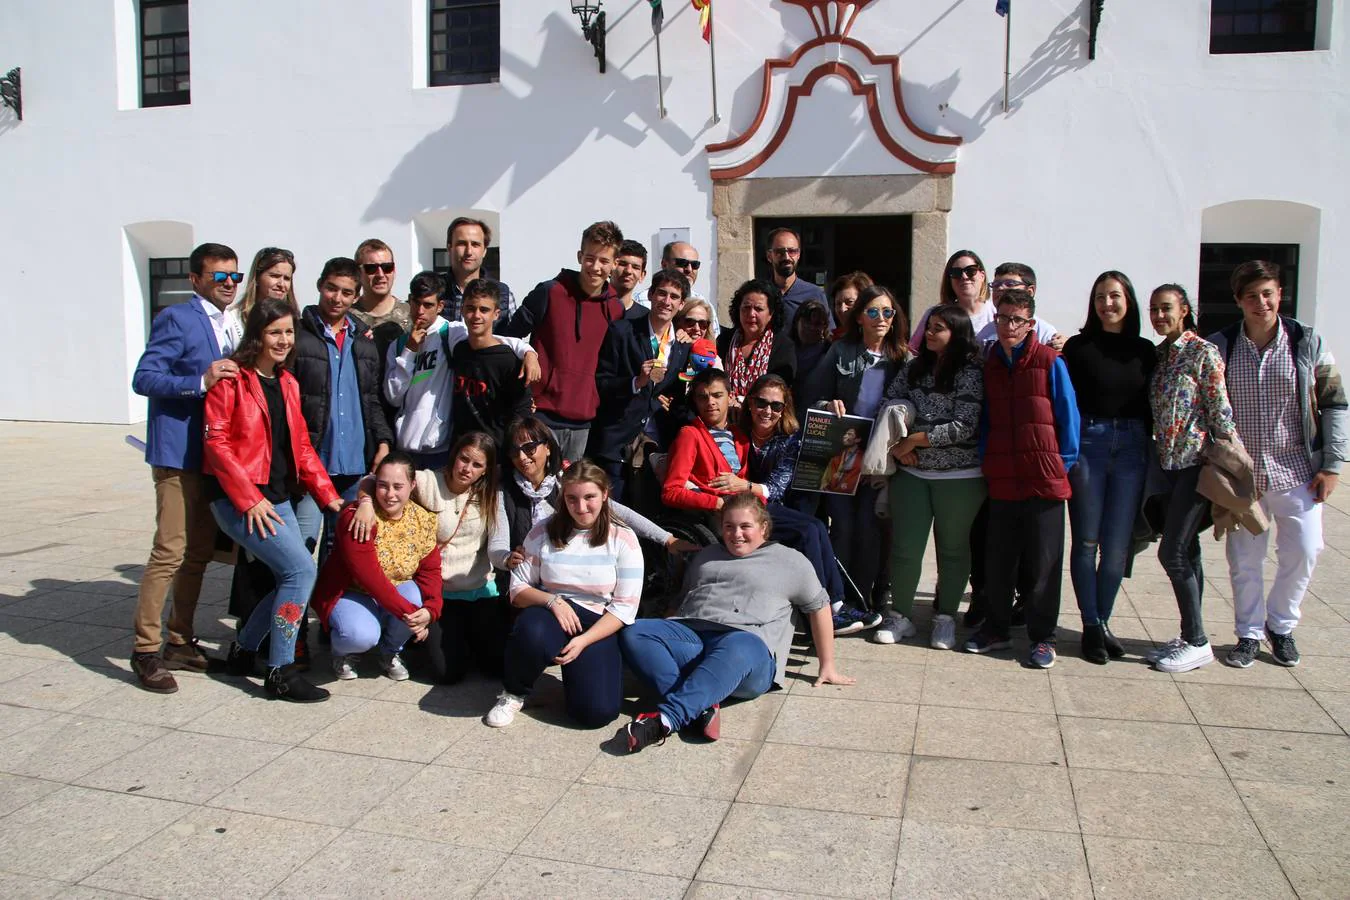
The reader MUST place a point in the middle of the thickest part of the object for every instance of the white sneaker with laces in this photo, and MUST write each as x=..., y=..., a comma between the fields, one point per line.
x=1185, y=657
x=343, y=668
x=893, y=629
x=1166, y=649
x=504, y=711
x=944, y=633
x=394, y=667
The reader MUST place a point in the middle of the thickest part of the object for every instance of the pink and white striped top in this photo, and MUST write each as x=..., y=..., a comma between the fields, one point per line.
x=602, y=579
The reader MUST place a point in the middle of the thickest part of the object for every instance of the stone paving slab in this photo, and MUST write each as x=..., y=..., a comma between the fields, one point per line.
x=940, y=775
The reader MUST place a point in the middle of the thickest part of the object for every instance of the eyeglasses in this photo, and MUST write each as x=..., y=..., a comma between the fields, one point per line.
x=1006, y=285
x=222, y=277
x=371, y=268
x=956, y=272
x=679, y=263
x=696, y=323
x=786, y=251
x=1014, y=321
x=761, y=404
x=878, y=312
x=527, y=448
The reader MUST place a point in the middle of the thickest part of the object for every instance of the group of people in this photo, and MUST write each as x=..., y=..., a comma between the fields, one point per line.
x=440, y=478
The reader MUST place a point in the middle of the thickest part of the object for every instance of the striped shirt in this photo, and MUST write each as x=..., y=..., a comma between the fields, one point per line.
x=1263, y=388
x=601, y=579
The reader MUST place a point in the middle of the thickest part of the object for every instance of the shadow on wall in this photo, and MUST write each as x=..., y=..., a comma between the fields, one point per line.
x=543, y=123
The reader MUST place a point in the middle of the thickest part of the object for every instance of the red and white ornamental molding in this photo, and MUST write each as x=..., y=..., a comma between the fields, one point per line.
x=867, y=83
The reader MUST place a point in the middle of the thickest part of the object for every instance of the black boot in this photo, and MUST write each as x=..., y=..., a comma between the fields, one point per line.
x=1112, y=643
x=1094, y=646
x=285, y=683
x=240, y=662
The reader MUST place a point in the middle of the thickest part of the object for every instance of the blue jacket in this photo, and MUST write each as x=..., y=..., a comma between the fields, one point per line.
x=182, y=347
x=623, y=413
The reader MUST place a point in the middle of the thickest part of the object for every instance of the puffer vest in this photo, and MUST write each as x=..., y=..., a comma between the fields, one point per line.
x=1021, y=454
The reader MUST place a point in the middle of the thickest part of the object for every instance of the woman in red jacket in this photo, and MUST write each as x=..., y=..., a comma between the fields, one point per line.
x=258, y=457
x=387, y=590
x=708, y=458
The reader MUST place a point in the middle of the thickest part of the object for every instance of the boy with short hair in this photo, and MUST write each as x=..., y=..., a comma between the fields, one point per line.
x=1028, y=444
x=1290, y=409
x=488, y=390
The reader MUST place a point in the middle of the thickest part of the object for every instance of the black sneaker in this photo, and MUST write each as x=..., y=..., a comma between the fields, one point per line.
x=975, y=614
x=1244, y=654
x=1282, y=647
x=285, y=683
x=986, y=642
x=851, y=620
x=644, y=731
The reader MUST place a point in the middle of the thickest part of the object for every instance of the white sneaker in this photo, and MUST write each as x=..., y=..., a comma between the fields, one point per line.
x=893, y=629
x=394, y=667
x=343, y=668
x=944, y=633
x=1185, y=657
x=1166, y=649
x=503, y=713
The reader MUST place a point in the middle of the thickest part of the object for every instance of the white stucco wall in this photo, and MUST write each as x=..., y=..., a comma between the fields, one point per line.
x=305, y=130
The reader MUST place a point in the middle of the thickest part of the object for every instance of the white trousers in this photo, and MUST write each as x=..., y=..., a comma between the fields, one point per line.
x=1296, y=520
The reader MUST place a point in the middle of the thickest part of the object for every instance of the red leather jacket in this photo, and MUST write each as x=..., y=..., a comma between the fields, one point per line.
x=238, y=448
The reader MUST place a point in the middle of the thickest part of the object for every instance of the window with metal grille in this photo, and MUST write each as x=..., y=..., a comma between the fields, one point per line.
x=168, y=282
x=1215, y=307
x=464, y=41
x=1262, y=26
x=164, y=53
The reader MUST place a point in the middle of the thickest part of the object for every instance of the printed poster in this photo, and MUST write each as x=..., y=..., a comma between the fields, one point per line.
x=831, y=459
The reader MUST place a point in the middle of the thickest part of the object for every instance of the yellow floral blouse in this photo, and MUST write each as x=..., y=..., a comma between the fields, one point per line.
x=402, y=545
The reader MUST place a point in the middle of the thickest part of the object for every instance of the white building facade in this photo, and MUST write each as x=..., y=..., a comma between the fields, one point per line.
x=879, y=126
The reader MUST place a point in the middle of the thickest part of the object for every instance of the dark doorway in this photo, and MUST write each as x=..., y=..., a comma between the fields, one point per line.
x=1216, y=307
x=836, y=245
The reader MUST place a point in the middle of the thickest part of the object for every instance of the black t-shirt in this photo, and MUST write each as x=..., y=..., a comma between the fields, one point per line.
x=488, y=390
x=275, y=489
x=1110, y=374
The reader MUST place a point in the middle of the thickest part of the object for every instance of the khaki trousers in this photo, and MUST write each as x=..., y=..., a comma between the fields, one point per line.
x=185, y=534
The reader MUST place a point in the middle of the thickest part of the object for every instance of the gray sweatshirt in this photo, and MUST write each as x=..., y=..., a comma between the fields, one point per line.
x=754, y=593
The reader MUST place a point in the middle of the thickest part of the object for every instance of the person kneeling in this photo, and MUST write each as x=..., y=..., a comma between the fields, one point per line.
x=732, y=633
x=386, y=590
x=579, y=582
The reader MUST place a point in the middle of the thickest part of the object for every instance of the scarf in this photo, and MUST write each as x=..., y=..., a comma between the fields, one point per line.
x=745, y=369
x=539, y=496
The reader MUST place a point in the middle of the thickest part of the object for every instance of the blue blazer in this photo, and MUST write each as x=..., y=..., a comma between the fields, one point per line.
x=623, y=413
x=182, y=347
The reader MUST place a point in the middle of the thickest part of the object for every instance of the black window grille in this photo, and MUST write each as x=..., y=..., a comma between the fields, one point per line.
x=464, y=41
x=165, y=79
x=169, y=282
x=1216, y=308
x=1262, y=26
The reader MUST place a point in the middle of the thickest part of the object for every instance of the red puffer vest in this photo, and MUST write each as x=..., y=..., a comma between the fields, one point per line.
x=568, y=343
x=1021, y=454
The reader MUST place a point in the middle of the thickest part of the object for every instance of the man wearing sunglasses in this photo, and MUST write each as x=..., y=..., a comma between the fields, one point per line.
x=383, y=313
x=784, y=253
x=683, y=258
x=188, y=352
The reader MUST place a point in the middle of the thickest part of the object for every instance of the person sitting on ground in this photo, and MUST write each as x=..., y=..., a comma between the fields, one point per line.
x=733, y=631
x=578, y=583
x=383, y=591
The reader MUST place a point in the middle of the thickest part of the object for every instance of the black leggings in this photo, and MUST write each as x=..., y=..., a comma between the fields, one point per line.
x=469, y=633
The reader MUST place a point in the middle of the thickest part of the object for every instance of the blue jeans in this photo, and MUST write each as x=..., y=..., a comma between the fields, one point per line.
x=691, y=669
x=313, y=520
x=280, y=613
x=358, y=623
x=1107, y=484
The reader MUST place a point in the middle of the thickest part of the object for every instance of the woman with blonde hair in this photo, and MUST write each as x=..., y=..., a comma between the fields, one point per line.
x=270, y=275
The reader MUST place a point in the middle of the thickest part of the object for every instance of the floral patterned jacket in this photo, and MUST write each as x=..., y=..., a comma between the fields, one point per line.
x=1189, y=400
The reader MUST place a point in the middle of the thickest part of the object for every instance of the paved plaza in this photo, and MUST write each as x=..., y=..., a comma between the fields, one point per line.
x=939, y=774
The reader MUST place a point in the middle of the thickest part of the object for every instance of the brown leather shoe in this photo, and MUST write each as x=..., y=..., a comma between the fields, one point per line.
x=184, y=656
x=152, y=674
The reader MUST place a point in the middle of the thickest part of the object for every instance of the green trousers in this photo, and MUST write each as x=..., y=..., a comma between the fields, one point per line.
x=947, y=508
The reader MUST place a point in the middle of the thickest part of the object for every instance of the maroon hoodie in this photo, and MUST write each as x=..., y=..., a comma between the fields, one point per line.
x=568, y=328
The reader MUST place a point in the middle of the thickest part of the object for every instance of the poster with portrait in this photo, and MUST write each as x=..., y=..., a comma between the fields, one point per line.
x=831, y=458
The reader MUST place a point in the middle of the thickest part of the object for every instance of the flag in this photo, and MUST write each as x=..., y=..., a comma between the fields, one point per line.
x=658, y=16
x=704, y=8
x=1001, y=6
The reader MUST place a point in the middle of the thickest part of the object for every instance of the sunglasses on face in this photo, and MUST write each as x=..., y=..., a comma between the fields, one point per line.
x=786, y=251
x=1006, y=285
x=222, y=277
x=695, y=323
x=679, y=263
x=1014, y=321
x=761, y=404
x=878, y=312
x=971, y=272
x=527, y=448
x=371, y=268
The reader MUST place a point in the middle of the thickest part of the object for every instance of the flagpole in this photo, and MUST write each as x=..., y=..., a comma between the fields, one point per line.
x=660, y=82
x=1007, y=54
x=712, y=58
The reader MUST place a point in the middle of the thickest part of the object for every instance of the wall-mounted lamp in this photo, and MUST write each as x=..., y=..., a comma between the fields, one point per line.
x=11, y=92
x=593, y=27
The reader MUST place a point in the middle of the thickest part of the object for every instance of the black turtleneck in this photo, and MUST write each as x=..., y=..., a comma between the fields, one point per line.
x=1110, y=374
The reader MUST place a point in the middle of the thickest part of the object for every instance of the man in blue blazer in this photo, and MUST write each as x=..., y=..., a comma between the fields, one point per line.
x=188, y=352
x=638, y=378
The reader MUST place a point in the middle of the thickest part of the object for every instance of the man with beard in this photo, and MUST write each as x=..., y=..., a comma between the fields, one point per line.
x=785, y=251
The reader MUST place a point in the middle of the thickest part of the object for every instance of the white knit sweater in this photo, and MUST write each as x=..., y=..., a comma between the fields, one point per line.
x=464, y=560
